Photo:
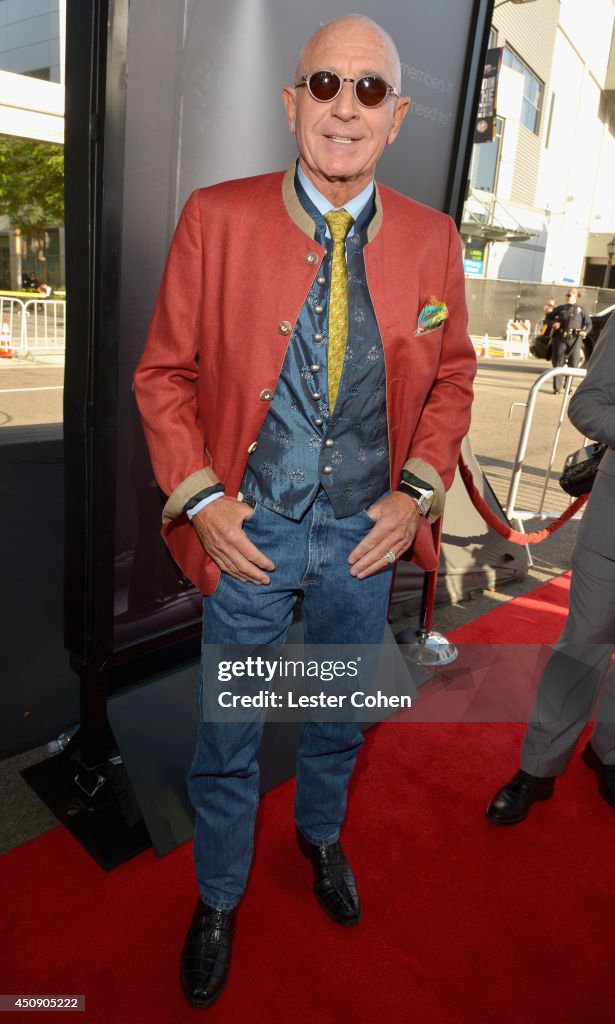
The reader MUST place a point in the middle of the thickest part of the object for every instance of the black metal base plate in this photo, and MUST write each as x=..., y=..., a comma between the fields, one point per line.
x=99, y=824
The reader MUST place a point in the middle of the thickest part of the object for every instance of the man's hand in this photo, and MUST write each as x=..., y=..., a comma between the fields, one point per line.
x=395, y=523
x=220, y=531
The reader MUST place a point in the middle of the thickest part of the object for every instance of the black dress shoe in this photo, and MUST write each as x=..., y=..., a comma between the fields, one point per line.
x=605, y=773
x=335, y=887
x=512, y=803
x=206, y=956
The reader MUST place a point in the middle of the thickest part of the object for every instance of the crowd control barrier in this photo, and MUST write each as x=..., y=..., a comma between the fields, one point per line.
x=31, y=326
x=520, y=515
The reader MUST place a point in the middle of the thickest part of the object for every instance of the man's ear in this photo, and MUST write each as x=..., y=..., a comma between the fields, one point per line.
x=289, y=98
x=401, y=109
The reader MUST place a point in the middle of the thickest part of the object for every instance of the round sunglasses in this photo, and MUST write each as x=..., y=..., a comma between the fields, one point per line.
x=324, y=86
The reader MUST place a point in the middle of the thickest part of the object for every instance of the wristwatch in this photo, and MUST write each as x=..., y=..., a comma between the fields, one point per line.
x=420, y=492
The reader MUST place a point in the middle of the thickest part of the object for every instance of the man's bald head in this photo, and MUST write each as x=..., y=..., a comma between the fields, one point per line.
x=340, y=27
x=340, y=139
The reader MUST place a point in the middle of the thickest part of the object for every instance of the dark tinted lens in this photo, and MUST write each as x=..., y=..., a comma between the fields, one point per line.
x=324, y=85
x=371, y=90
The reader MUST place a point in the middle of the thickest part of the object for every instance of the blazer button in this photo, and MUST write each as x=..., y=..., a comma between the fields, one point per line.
x=314, y=367
x=316, y=395
x=311, y=258
x=266, y=395
x=328, y=443
x=318, y=423
x=253, y=447
x=327, y=469
x=318, y=309
x=285, y=327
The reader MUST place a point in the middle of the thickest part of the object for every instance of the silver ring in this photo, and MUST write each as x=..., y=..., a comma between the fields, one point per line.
x=389, y=556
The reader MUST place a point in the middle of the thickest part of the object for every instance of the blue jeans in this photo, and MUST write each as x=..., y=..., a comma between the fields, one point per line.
x=223, y=783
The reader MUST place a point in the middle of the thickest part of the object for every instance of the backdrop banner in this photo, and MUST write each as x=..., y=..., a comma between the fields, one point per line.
x=203, y=104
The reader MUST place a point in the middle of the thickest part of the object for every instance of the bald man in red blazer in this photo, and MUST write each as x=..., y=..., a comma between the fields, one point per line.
x=336, y=477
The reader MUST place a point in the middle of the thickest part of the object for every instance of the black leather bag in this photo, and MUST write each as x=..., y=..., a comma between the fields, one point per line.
x=541, y=346
x=580, y=469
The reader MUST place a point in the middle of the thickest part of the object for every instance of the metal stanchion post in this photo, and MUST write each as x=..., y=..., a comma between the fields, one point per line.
x=424, y=646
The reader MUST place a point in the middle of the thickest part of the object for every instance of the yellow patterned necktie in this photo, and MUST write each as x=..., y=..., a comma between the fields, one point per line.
x=339, y=223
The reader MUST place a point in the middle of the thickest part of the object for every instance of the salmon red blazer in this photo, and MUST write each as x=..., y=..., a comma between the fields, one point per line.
x=240, y=266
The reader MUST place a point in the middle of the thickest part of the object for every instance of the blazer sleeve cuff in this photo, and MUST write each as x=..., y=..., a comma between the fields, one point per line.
x=427, y=473
x=194, y=483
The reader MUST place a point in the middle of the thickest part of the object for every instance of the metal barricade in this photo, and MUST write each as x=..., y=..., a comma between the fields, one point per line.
x=32, y=325
x=514, y=514
x=44, y=325
x=11, y=324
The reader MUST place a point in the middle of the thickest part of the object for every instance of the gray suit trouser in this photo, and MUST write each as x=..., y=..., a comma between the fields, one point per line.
x=577, y=673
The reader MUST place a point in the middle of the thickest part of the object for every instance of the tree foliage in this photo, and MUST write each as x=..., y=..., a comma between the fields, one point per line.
x=31, y=184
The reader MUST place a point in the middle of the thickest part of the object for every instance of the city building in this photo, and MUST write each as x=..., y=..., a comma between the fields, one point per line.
x=541, y=203
x=32, y=34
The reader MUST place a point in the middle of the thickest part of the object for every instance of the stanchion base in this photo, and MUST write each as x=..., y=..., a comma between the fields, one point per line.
x=108, y=824
x=426, y=648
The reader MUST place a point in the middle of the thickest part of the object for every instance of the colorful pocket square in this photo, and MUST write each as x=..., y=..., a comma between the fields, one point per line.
x=432, y=316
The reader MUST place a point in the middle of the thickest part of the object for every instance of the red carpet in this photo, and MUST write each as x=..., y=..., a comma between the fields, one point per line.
x=463, y=922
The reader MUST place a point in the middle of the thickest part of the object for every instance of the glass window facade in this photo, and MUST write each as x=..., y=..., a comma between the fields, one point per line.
x=532, y=90
x=30, y=38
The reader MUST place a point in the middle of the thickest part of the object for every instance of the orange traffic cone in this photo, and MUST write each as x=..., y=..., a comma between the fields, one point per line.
x=6, y=352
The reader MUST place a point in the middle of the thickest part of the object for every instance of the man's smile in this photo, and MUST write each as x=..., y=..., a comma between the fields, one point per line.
x=345, y=139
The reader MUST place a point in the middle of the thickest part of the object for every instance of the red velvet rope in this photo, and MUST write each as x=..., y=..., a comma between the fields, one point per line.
x=503, y=529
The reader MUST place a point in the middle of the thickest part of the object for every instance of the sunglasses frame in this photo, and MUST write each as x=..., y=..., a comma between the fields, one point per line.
x=305, y=81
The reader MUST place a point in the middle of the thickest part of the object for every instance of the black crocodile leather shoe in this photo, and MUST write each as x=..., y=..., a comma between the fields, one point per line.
x=206, y=956
x=335, y=887
x=605, y=773
x=512, y=803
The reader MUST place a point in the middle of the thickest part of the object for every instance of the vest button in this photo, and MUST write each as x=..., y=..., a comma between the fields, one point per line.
x=328, y=443
x=285, y=327
x=316, y=395
x=318, y=336
x=311, y=258
x=318, y=423
x=314, y=367
x=266, y=395
x=318, y=309
x=327, y=469
x=321, y=280
x=253, y=447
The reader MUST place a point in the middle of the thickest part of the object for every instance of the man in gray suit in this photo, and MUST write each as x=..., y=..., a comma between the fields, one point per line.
x=576, y=670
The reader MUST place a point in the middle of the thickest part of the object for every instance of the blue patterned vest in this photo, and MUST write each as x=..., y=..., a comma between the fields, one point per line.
x=301, y=446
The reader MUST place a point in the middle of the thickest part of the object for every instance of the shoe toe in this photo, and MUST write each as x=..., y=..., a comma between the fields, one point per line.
x=206, y=956
x=339, y=897
x=335, y=886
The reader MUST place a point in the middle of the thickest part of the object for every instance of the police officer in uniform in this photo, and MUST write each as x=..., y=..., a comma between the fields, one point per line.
x=570, y=323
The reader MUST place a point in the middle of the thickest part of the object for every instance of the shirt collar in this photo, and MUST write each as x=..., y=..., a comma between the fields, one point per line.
x=354, y=206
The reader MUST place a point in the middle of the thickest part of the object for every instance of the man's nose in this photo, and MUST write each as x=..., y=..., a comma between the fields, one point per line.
x=345, y=103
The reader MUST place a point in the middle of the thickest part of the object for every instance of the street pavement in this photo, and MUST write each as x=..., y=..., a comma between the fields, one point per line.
x=31, y=392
